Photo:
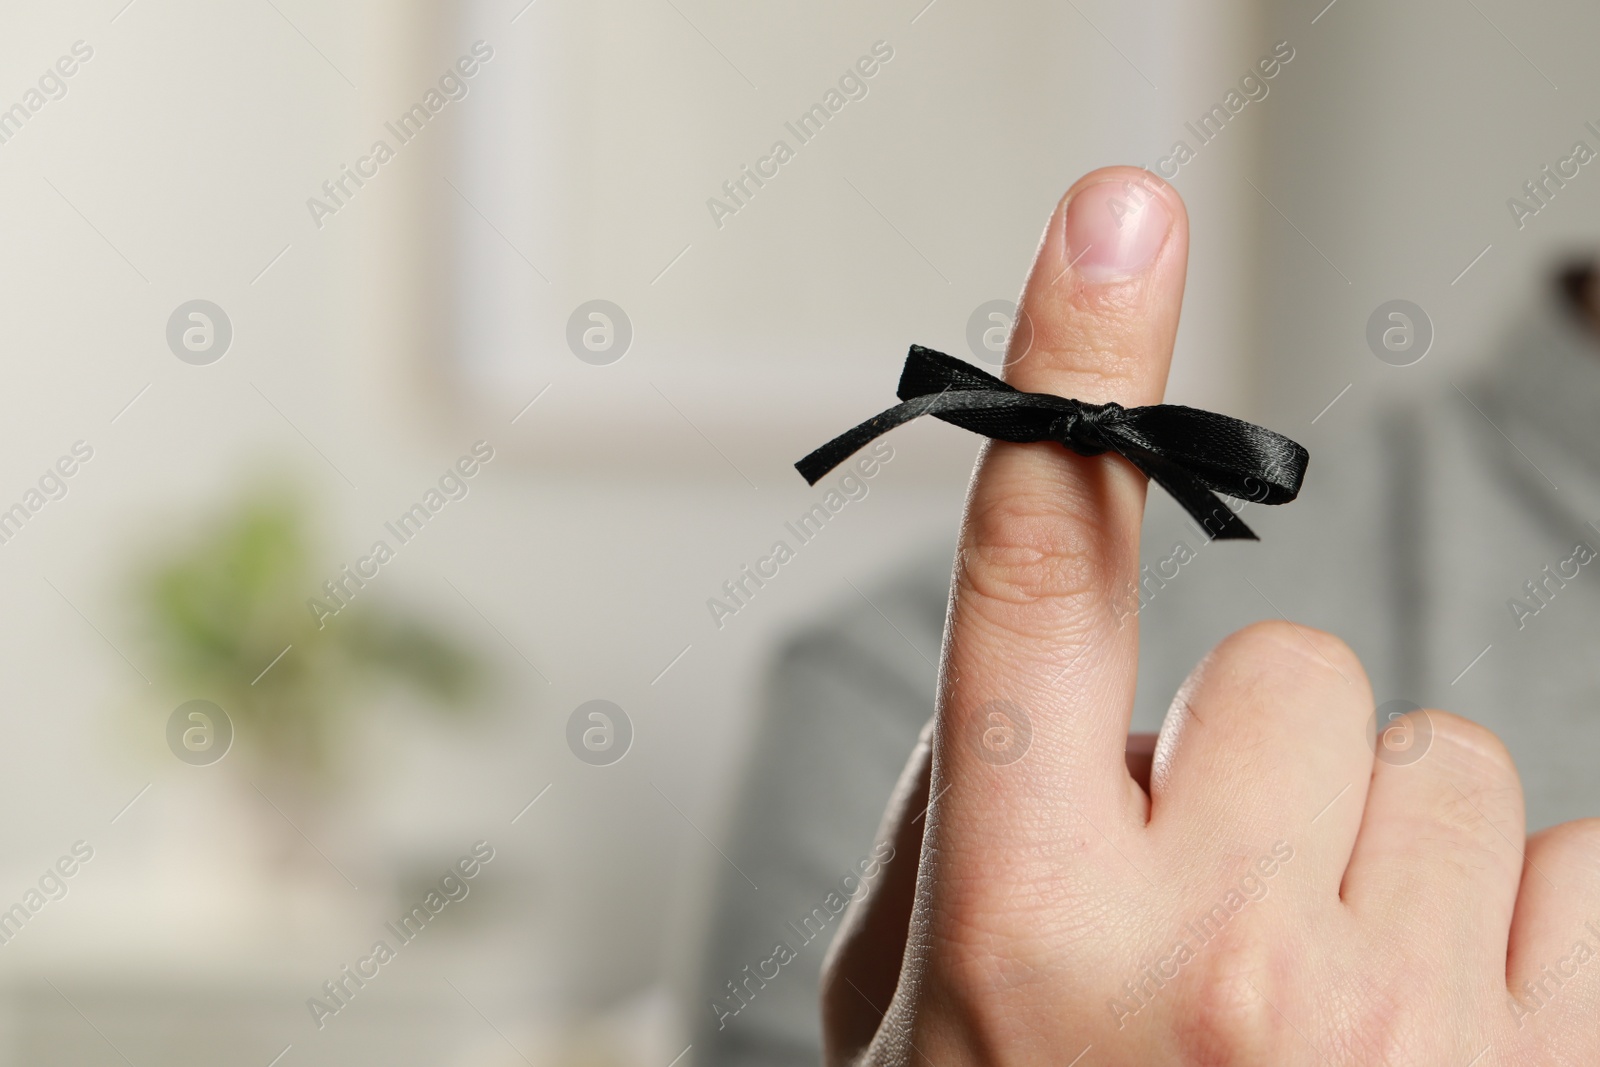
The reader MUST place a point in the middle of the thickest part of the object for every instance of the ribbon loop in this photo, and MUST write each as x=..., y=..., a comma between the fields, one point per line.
x=1188, y=452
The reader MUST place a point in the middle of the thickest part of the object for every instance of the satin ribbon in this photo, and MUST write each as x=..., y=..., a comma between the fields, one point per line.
x=1192, y=454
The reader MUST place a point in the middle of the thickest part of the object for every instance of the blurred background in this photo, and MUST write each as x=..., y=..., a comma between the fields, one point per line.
x=243, y=346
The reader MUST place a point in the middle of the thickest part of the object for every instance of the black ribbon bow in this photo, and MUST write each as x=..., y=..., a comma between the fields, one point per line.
x=1187, y=451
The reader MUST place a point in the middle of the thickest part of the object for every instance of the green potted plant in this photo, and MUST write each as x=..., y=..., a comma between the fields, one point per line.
x=225, y=615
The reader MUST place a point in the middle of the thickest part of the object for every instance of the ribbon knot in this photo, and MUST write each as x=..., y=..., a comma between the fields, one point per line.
x=1082, y=428
x=1192, y=454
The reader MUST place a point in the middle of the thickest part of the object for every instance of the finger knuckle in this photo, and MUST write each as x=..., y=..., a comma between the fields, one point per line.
x=1474, y=745
x=1461, y=841
x=1573, y=847
x=1238, y=1005
x=1474, y=819
x=1226, y=1017
x=1018, y=556
x=1282, y=645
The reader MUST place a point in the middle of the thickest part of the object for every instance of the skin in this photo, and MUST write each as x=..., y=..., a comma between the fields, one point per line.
x=1016, y=922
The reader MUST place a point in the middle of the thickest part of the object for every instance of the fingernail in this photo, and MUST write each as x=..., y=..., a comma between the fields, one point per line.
x=1114, y=230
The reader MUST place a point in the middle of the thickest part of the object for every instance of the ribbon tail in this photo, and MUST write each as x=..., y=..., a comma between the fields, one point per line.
x=1005, y=415
x=814, y=467
x=1215, y=517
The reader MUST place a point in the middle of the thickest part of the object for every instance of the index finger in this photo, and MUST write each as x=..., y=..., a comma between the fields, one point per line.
x=1042, y=640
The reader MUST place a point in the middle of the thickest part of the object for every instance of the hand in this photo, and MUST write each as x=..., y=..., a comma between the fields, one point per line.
x=1273, y=894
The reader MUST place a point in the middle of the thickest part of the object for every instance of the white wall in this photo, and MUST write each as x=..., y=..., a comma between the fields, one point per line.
x=1403, y=130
